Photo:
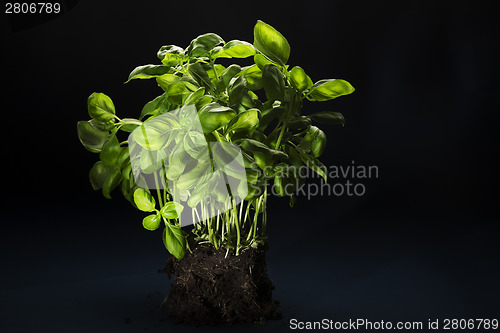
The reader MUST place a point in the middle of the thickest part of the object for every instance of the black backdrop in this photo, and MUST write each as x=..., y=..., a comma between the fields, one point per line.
x=420, y=243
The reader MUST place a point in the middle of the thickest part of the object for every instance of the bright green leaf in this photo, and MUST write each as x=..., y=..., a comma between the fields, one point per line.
x=245, y=121
x=152, y=107
x=151, y=222
x=144, y=200
x=236, y=49
x=171, y=210
x=101, y=107
x=147, y=72
x=110, y=151
x=325, y=90
x=174, y=240
x=213, y=116
x=202, y=45
x=271, y=43
x=299, y=79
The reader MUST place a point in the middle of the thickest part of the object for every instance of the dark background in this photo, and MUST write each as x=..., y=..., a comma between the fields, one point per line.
x=420, y=244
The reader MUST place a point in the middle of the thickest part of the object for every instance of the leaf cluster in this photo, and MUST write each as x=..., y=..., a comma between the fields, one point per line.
x=255, y=110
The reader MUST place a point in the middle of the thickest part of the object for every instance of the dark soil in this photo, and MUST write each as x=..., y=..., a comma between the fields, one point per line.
x=209, y=288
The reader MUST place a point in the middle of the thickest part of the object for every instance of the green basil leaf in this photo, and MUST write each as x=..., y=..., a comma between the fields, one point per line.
x=174, y=240
x=177, y=92
x=245, y=121
x=98, y=175
x=155, y=133
x=269, y=115
x=274, y=83
x=171, y=55
x=299, y=79
x=110, y=151
x=328, y=117
x=144, y=200
x=91, y=138
x=151, y=222
x=261, y=61
x=171, y=210
x=318, y=143
x=152, y=107
x=195, y=96
x=101, y=107
x=213, y=116
x=236, y=49
x=200, y=75
x=301, y=122
x=202, y=45
x=196, y=146
x=226, y=77
x=237, y=90
x=253, y=74
x=147, y=72
x=227, y=157
x=189, y=179
x=165, y=80
x=314, y=164
x=324, y=90
x=114, y=178
x=271, y=43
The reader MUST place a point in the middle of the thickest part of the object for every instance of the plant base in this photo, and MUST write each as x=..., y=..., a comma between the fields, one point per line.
x=210, y=288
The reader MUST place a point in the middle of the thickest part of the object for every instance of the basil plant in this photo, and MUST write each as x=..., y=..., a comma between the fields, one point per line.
x=208, y=150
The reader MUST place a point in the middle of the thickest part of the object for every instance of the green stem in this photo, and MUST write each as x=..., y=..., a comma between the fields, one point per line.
x=237, y=225
x=158, y=192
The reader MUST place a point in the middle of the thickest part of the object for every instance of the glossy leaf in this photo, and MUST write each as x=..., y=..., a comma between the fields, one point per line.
x=318, y=143
x=314, y=164
x=213, y=116
x=91, y=138
x=253, y=74
x=325, y=90
x=236, y=49
x=238, y=90
x=196, y=146
x=271, y=114
x=101, y=107
x=195, y=96
x=200, y=75
x=226, y=77
x=201, y=45
x=152, y=107
x=171, y=210
x=299, y=79
x=110, y=151
x=147, y=72
x=245, y=121
x=151, y=222
x=177, y=92
x=144, y=200
x=171, y=55
x=301, y=122
x=274, y=83
x=271, y=43
x=227, y=157
x=189, y=179
x=328, y=117
x=155, y=133
x=174, y=240
x=261, y=61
